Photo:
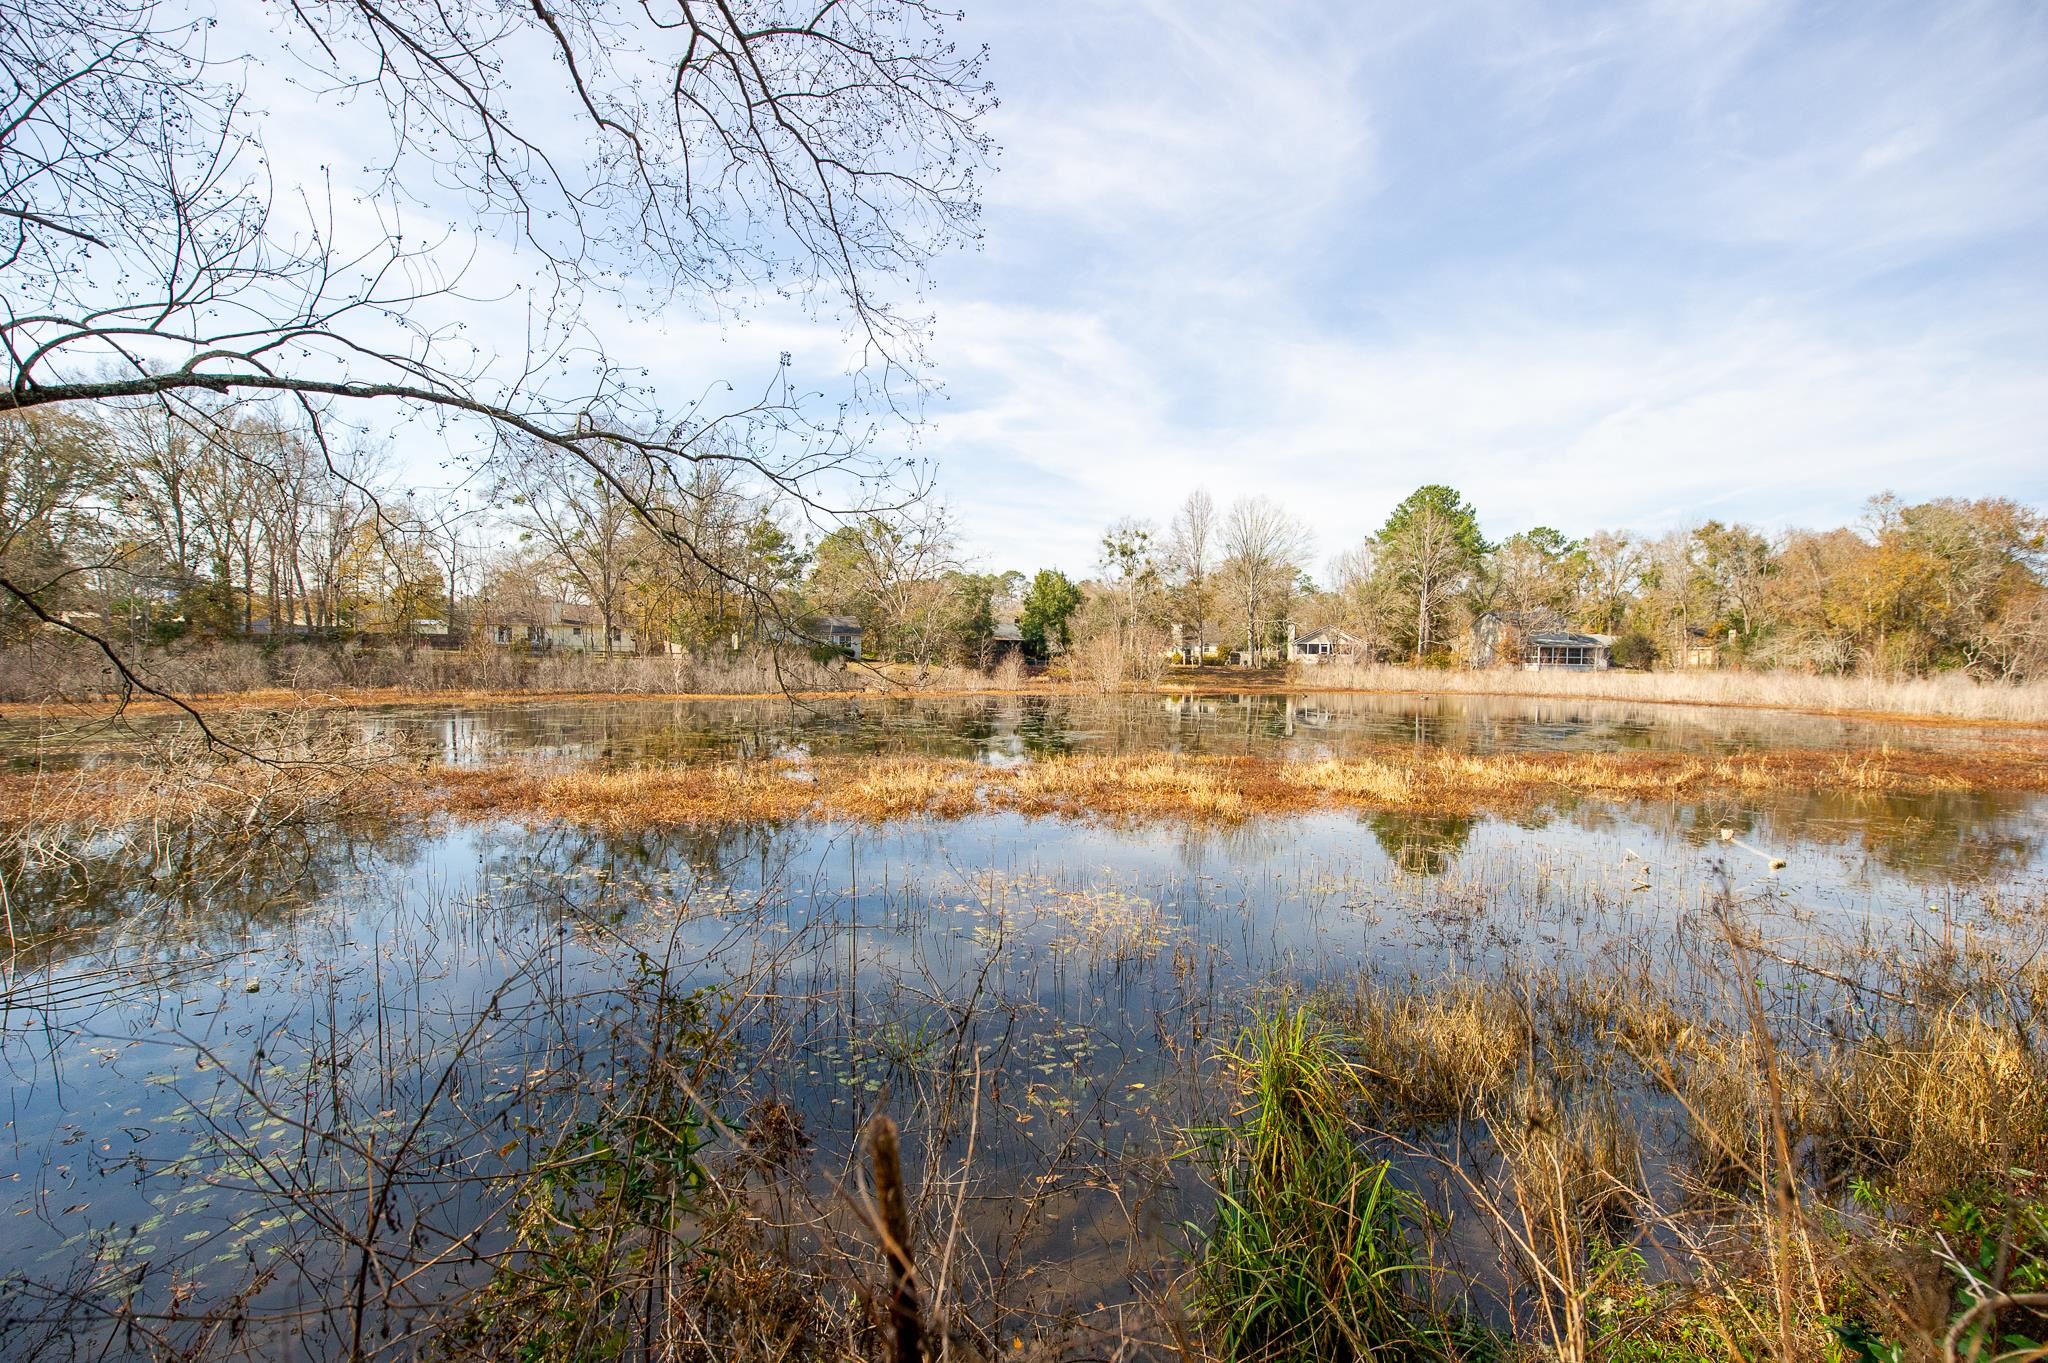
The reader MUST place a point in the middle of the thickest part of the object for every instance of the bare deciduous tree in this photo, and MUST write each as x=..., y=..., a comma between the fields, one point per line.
x=151, y=248
x=1614, y=568
x=584, y=526
x=1262, y=549
x=1191, y=569
x=890, y=572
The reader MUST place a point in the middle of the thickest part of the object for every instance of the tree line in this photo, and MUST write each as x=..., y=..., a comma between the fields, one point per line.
x=245, y=525
x=1950, y=584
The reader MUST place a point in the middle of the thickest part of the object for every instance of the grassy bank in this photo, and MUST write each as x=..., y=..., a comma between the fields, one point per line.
x=58, y=674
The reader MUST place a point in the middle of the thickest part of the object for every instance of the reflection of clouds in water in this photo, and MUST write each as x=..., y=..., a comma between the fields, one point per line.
x=1099, y=941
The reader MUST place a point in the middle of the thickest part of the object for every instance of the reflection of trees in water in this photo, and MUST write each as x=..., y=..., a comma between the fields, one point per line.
x=1047, y=729
x=1969, y=835
x=609, y=877
x=197, y=887
x=1964, y=834
x=1198, y=845
x=1421, y=844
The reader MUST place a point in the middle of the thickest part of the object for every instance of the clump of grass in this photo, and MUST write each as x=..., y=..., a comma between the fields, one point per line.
x=1313, y=1244
x=1939, y=1104
x=1437, y=1052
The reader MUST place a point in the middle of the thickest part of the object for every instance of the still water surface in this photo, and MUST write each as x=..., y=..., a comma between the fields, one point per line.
x=178, y=1021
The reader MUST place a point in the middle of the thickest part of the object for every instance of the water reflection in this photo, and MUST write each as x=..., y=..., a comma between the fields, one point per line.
x=1421, y=844
x=1015, y=727
x=1100, y=957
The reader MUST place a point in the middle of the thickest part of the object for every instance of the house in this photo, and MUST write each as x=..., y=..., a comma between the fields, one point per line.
x=1698, y=648
x=1536, y=640
x=1567, y=649
x=1190, y=644
x=843, y=632
x=1324, y=646
x=561, y=627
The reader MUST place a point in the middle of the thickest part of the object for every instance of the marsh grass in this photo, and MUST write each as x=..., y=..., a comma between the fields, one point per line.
x=314, y=770
x=254, y=770
x=1216, y=789
x=65, y=672
x=1314, y=1245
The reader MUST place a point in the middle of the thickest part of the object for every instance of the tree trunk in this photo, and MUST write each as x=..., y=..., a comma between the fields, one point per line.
x=1422, y=620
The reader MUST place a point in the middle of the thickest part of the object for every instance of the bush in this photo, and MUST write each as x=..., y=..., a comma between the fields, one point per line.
x=1635, y=650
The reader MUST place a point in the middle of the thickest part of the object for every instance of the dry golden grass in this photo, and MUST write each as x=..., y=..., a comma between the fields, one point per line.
x=1437, y=1051
x=1544, y=1098
x=1947, y=1095
x=1947, y=697
x=1218, y=789
x=1956, y=1097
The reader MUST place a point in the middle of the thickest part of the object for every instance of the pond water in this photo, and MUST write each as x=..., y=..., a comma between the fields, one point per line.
x=1011, y=727
x=189, y=1029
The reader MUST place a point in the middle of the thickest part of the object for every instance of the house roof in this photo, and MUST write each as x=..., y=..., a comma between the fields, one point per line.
x=555, y=615
x=1567, y=639
x=1335, y=636
x=1007, y=633
x=835, y=622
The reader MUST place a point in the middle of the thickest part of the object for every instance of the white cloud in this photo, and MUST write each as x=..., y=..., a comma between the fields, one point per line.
x=1757, y=418
x=1593, y=265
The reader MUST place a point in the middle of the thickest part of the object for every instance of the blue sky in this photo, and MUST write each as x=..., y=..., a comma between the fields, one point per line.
x=1595, y=266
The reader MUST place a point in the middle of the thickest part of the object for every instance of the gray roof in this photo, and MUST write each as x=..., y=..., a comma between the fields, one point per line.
x=1567, y=639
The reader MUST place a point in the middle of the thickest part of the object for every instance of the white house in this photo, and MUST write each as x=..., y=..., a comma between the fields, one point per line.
x=562, y=627
x=840, y=631
x=1324, y=646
